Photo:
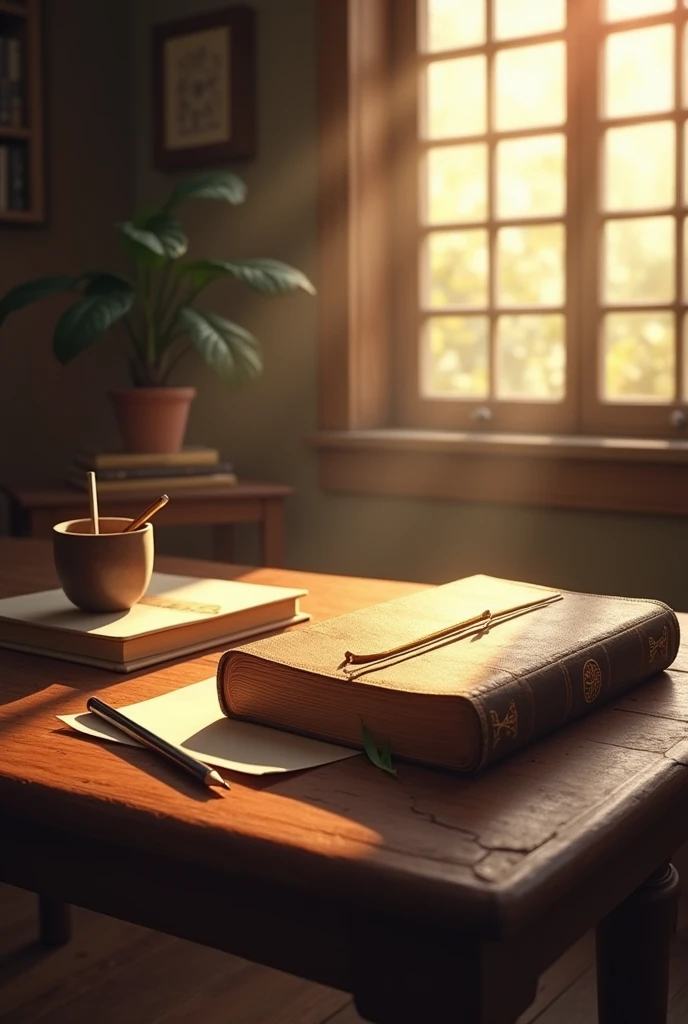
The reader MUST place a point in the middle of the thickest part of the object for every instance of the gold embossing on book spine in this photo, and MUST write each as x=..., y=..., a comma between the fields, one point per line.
x=659, y=644
x=592, y=680
x=508, y=724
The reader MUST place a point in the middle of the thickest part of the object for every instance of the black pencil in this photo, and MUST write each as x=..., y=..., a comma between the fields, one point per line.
x=208, y=776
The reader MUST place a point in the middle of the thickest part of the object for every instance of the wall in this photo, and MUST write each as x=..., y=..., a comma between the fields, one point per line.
x=47, y=411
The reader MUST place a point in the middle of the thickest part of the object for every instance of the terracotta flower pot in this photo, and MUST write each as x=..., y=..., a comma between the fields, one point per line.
x=152, y=419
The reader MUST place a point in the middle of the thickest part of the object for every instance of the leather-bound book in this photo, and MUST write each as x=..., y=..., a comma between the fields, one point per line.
x=469, y=696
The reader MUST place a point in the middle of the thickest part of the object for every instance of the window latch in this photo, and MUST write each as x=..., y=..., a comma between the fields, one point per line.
x=482, y=414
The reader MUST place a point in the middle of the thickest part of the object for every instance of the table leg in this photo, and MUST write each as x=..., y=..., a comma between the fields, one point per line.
x=633, y=945
x=223, y=542
x=273, y=532
x=402, y=976
x=54, y=919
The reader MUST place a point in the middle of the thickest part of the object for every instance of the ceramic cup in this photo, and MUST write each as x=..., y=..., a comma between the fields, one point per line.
x=107, y=571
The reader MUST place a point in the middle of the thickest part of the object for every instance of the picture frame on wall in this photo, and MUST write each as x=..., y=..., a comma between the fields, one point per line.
x=204, y=89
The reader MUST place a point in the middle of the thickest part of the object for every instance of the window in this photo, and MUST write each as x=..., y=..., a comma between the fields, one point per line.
x=545, y=227
x=504, y=189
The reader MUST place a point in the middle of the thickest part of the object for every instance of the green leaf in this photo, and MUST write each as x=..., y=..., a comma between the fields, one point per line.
x=228, y=349
x=153, y=242
x=85, y=321
x=271, y=277
x=386, y=754
x=221, y=185
x=100, y=282
x=381, y=759
x=33, y=291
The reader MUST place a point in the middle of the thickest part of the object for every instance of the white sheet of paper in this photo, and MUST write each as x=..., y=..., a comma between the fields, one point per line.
x=191, y=718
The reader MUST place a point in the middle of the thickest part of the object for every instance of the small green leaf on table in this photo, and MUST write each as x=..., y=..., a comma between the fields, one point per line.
x=381, y=758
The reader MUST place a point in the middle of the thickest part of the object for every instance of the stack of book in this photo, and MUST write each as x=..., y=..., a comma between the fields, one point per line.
x=118, y=472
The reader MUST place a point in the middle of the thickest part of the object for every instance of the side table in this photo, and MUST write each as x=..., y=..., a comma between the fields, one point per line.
x=35, y=507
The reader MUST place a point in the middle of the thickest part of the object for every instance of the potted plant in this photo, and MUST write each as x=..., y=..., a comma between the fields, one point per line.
x=157, y=312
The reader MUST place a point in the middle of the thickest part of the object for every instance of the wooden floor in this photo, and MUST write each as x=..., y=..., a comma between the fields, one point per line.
x=114, y=972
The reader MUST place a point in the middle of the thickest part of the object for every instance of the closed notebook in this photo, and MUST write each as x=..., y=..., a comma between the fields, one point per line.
x=178, y=615
x=460, y=702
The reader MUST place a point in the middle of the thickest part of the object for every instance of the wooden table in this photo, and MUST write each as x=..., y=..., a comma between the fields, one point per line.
x=35, y=507
x=432, y=898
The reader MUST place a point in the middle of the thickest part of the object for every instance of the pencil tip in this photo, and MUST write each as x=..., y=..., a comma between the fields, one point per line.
x=214, y=778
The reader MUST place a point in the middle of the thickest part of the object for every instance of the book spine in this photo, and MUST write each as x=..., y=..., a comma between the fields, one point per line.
x=530, y=706
x=16, y=83
x=181, y=484
x=4, y=82
x=4, y=178
x=17, y=183
x=155, y=472
x=126, y=460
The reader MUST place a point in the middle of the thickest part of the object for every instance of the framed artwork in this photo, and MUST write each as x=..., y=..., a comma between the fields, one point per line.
x=203, y=89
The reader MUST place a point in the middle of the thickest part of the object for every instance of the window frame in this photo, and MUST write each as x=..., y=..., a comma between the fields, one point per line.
x=361, y=446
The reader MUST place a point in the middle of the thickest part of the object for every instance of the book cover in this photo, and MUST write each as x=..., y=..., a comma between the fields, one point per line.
x=466, y=700
x=178, y=615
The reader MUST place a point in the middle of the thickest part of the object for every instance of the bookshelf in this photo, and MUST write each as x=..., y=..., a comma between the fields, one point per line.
x=21, y=113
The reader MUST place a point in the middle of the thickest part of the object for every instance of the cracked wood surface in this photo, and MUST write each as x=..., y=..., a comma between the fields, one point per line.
x=492, y=851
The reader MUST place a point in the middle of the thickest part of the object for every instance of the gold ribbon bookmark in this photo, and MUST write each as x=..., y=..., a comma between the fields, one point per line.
x=486, y=619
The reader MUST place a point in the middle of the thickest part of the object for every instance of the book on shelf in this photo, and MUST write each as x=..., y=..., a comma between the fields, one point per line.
x=144, y=485
x=13, y=177
x=11, y=82
x=178, y=616
x=190, y=456
x=463, y=700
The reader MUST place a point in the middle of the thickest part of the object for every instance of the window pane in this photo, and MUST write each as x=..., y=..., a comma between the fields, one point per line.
x=531, y=176
x=451, y=25
x=618, y=10
x=514, y=18
x=639, y=260
x=455, y=357
x=531, y=266
x=639, y=71
x=531, y=357
x=458, y=268
x=639, y=166
x=638, y=357
x=530, y=89
x=456, y=184
x=456, y=97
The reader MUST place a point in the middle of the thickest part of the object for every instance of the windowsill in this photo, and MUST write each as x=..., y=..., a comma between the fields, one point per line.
x=613, y=474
